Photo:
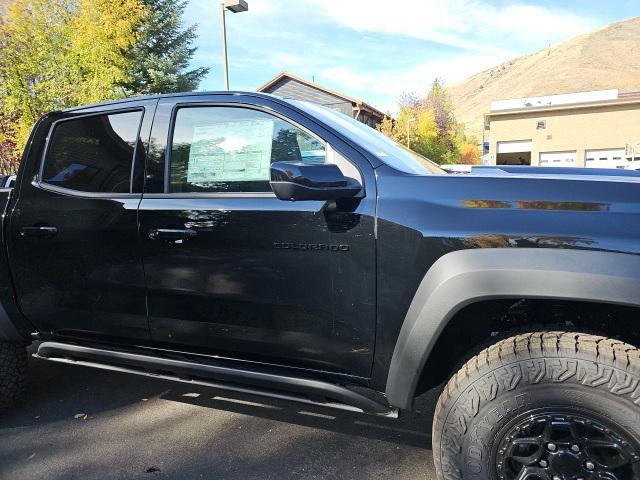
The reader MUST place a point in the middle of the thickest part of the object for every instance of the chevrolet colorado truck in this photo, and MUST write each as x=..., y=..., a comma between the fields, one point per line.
x=256, y=244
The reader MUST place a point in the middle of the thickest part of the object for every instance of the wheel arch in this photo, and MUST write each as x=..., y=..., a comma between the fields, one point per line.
x=464, y=277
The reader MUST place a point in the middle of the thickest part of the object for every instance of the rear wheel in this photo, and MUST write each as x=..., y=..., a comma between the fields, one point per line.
x=542, y=406
x=13, y=373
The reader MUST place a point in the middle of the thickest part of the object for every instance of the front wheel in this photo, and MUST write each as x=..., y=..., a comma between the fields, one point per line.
x=542, y=406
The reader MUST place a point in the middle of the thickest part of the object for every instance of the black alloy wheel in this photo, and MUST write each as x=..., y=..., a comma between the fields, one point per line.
x=549, y=445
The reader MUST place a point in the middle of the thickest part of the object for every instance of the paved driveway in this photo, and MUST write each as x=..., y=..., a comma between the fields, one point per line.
x=79, y=423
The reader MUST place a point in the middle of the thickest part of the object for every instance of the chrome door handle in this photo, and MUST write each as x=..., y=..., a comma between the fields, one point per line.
x=171, y=234
x=46, y=231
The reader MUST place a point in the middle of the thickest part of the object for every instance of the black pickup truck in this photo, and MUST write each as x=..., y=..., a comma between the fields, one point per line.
x=270, y=246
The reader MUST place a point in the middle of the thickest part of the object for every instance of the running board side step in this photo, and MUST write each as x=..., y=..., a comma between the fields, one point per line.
x=302, y=390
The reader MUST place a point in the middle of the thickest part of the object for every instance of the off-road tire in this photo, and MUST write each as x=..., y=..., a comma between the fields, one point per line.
x=13, y=373
x=574, y=372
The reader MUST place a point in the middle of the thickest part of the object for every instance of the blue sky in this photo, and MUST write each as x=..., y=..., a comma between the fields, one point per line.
x=375, y=50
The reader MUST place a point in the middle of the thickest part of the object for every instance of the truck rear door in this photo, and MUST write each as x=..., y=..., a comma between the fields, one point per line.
x=73, y=232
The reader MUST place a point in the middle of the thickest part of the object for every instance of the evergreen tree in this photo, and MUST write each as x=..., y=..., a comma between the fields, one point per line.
x=162, y=54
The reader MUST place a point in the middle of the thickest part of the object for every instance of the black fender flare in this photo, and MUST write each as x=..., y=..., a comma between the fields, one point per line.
x=460, y=278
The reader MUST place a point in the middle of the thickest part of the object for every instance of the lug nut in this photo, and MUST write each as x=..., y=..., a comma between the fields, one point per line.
x=590, y=465
x=543, y=463
x=575, y=448
x=556, y=477
x=551, y=447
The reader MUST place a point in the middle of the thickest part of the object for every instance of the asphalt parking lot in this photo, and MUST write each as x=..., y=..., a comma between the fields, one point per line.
x=79, y=423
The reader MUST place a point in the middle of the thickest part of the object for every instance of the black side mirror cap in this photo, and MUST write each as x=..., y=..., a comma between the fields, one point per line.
x=304, y=181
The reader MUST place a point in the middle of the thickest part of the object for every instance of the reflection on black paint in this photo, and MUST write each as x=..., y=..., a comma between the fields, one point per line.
x=506, y=241
x=539, y=205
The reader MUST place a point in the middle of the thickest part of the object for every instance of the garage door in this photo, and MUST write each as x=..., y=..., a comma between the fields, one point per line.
x=558, y=159
x=612, y=158
x=515, y=146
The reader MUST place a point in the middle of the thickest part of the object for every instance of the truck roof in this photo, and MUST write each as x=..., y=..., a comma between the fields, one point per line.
x=169, y=95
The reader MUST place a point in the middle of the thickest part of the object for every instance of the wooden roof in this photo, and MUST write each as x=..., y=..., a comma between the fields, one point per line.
x=359, y=104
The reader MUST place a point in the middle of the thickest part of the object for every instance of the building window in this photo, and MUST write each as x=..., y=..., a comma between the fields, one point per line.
x=541, y=125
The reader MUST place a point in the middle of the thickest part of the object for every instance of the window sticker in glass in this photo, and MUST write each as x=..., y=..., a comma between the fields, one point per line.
x=231, y=151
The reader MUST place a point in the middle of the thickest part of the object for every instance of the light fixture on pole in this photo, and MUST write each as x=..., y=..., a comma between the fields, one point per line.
x=234, y=6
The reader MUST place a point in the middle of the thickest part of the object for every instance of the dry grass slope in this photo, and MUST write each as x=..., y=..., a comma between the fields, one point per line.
x=606, y=58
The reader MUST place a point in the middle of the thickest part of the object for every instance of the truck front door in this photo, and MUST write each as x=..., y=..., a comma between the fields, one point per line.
x=233, y=271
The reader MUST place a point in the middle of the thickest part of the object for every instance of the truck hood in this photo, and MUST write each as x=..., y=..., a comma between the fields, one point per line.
x=573, y=208
x=557, y=172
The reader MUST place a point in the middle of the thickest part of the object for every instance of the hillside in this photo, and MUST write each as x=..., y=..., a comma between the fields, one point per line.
x=606, y=58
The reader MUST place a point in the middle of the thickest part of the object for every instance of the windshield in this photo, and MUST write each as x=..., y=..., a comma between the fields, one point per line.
x=390, y=152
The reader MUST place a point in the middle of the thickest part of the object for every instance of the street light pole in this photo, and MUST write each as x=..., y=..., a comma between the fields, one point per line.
x=235, y=6
x=224, y=46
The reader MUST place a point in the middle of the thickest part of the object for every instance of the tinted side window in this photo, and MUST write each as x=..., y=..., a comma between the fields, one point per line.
x=230, y=149
x=93, y=154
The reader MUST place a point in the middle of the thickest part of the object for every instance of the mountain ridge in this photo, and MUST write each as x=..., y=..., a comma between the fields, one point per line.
x=602, y=59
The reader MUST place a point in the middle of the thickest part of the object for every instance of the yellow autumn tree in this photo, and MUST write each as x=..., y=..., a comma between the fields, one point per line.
x=60, y=53
x=469, y=153
x=100, y=34
x=32, y=43
x=387, y=126
x=414, y=127
x=428, y=126
x=426, y=129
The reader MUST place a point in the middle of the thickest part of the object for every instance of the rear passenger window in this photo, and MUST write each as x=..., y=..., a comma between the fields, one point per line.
x=94, y=153
x=230, y=149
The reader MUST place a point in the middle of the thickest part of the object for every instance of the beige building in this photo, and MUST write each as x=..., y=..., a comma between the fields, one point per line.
x=592, y=129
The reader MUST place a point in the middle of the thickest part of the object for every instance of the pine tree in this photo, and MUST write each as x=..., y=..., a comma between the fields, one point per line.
x=161, y=56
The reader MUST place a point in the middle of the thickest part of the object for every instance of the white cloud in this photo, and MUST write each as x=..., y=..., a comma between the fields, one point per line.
x=376, y=49
x=468, y=24
x=262, y=6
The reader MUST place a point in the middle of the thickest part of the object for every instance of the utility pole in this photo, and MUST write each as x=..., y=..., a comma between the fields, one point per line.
x=235, y=6
x=225, y=61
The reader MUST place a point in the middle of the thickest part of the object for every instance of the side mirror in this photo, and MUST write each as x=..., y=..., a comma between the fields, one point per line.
x=302, y=181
